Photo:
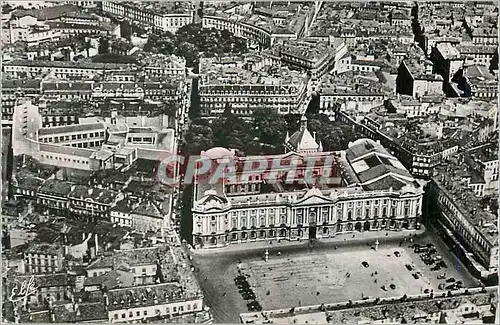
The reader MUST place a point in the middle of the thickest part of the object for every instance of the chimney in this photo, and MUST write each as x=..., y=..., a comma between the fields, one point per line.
x=96, y=245
x=106, y=299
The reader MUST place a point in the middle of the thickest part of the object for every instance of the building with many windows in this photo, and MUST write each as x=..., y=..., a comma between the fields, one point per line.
x=470, y=306
x=466, y=220
x=12, y=89
x=44, y=258
x=77, y=135
x=361, y=189
x=62, y=69
x=165, y=300
x=162, y=15
x=232, y=82
x=315, y=58
x=415, y=78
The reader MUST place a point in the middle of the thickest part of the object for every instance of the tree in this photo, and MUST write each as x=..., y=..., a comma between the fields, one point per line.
x=191, y=40
x=103, y=46
x=269, y=126
x=199, y=138
x=189, y=52
x=6, y=8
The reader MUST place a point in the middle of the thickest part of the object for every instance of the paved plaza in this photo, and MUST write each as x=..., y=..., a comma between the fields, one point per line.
x=327, y=277
x=317, y=274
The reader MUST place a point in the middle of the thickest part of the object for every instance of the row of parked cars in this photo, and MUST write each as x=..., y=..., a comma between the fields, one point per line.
x=429, y=257
x=247, y=293
x=450, y=283
x=428, y=254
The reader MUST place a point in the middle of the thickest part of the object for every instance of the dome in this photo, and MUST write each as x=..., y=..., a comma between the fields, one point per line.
x=218, y=153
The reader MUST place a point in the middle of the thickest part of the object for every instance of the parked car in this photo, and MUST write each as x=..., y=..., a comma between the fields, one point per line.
x=428, y=261
x=427, y=290
x=437, y=258
x=436, y=267
x=248, y=295
x=415, y=275
x=443, y=264
x=254, y=306
x=449, y=280
x=441, y=286
x=409, y=267
x=452, y=287
x=441, y=276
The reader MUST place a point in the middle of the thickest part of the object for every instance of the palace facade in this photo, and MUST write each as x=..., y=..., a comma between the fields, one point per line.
x=363, y=188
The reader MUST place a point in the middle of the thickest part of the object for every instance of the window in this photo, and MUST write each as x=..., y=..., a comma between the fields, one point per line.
x=123, y=315
x=116, y=316
x=145, y=313
x=131, y=314
x=138, y=313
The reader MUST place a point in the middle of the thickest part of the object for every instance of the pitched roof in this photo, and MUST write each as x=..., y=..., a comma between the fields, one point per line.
x=302, y=139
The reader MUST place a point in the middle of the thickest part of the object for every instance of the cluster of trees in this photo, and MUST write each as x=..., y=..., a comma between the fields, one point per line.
x=264, y=134
x=192, y=41
x=113, y=52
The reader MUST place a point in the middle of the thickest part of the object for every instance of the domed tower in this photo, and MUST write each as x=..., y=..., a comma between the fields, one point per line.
x=302, y=141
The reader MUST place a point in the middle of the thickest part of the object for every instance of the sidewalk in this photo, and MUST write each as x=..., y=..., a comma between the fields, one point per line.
x=345, y=238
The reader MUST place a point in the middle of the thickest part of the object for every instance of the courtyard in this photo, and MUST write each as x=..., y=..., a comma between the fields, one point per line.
x=321, y=273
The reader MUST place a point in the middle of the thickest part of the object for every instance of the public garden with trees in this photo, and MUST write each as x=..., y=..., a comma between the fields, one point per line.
x=193, y=41
x=264, y=133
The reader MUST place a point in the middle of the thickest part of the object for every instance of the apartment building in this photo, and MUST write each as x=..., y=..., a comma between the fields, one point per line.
x=61, y=69
x=415, y=78
x=478, y=82
x=166, y=300
x=43, y=258
x=12, y=89
x=471, y=306
x=315, y=58
x=473, y=228
x=162, y=16
x=226, y=83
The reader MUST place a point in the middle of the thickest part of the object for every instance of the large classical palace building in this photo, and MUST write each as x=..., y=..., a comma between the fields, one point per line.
x=368, y=189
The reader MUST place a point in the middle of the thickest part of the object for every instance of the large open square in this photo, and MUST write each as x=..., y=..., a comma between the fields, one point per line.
x=316, y=274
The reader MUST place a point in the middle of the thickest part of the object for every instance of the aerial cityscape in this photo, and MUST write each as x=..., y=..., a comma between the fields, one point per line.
x=260, y=162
